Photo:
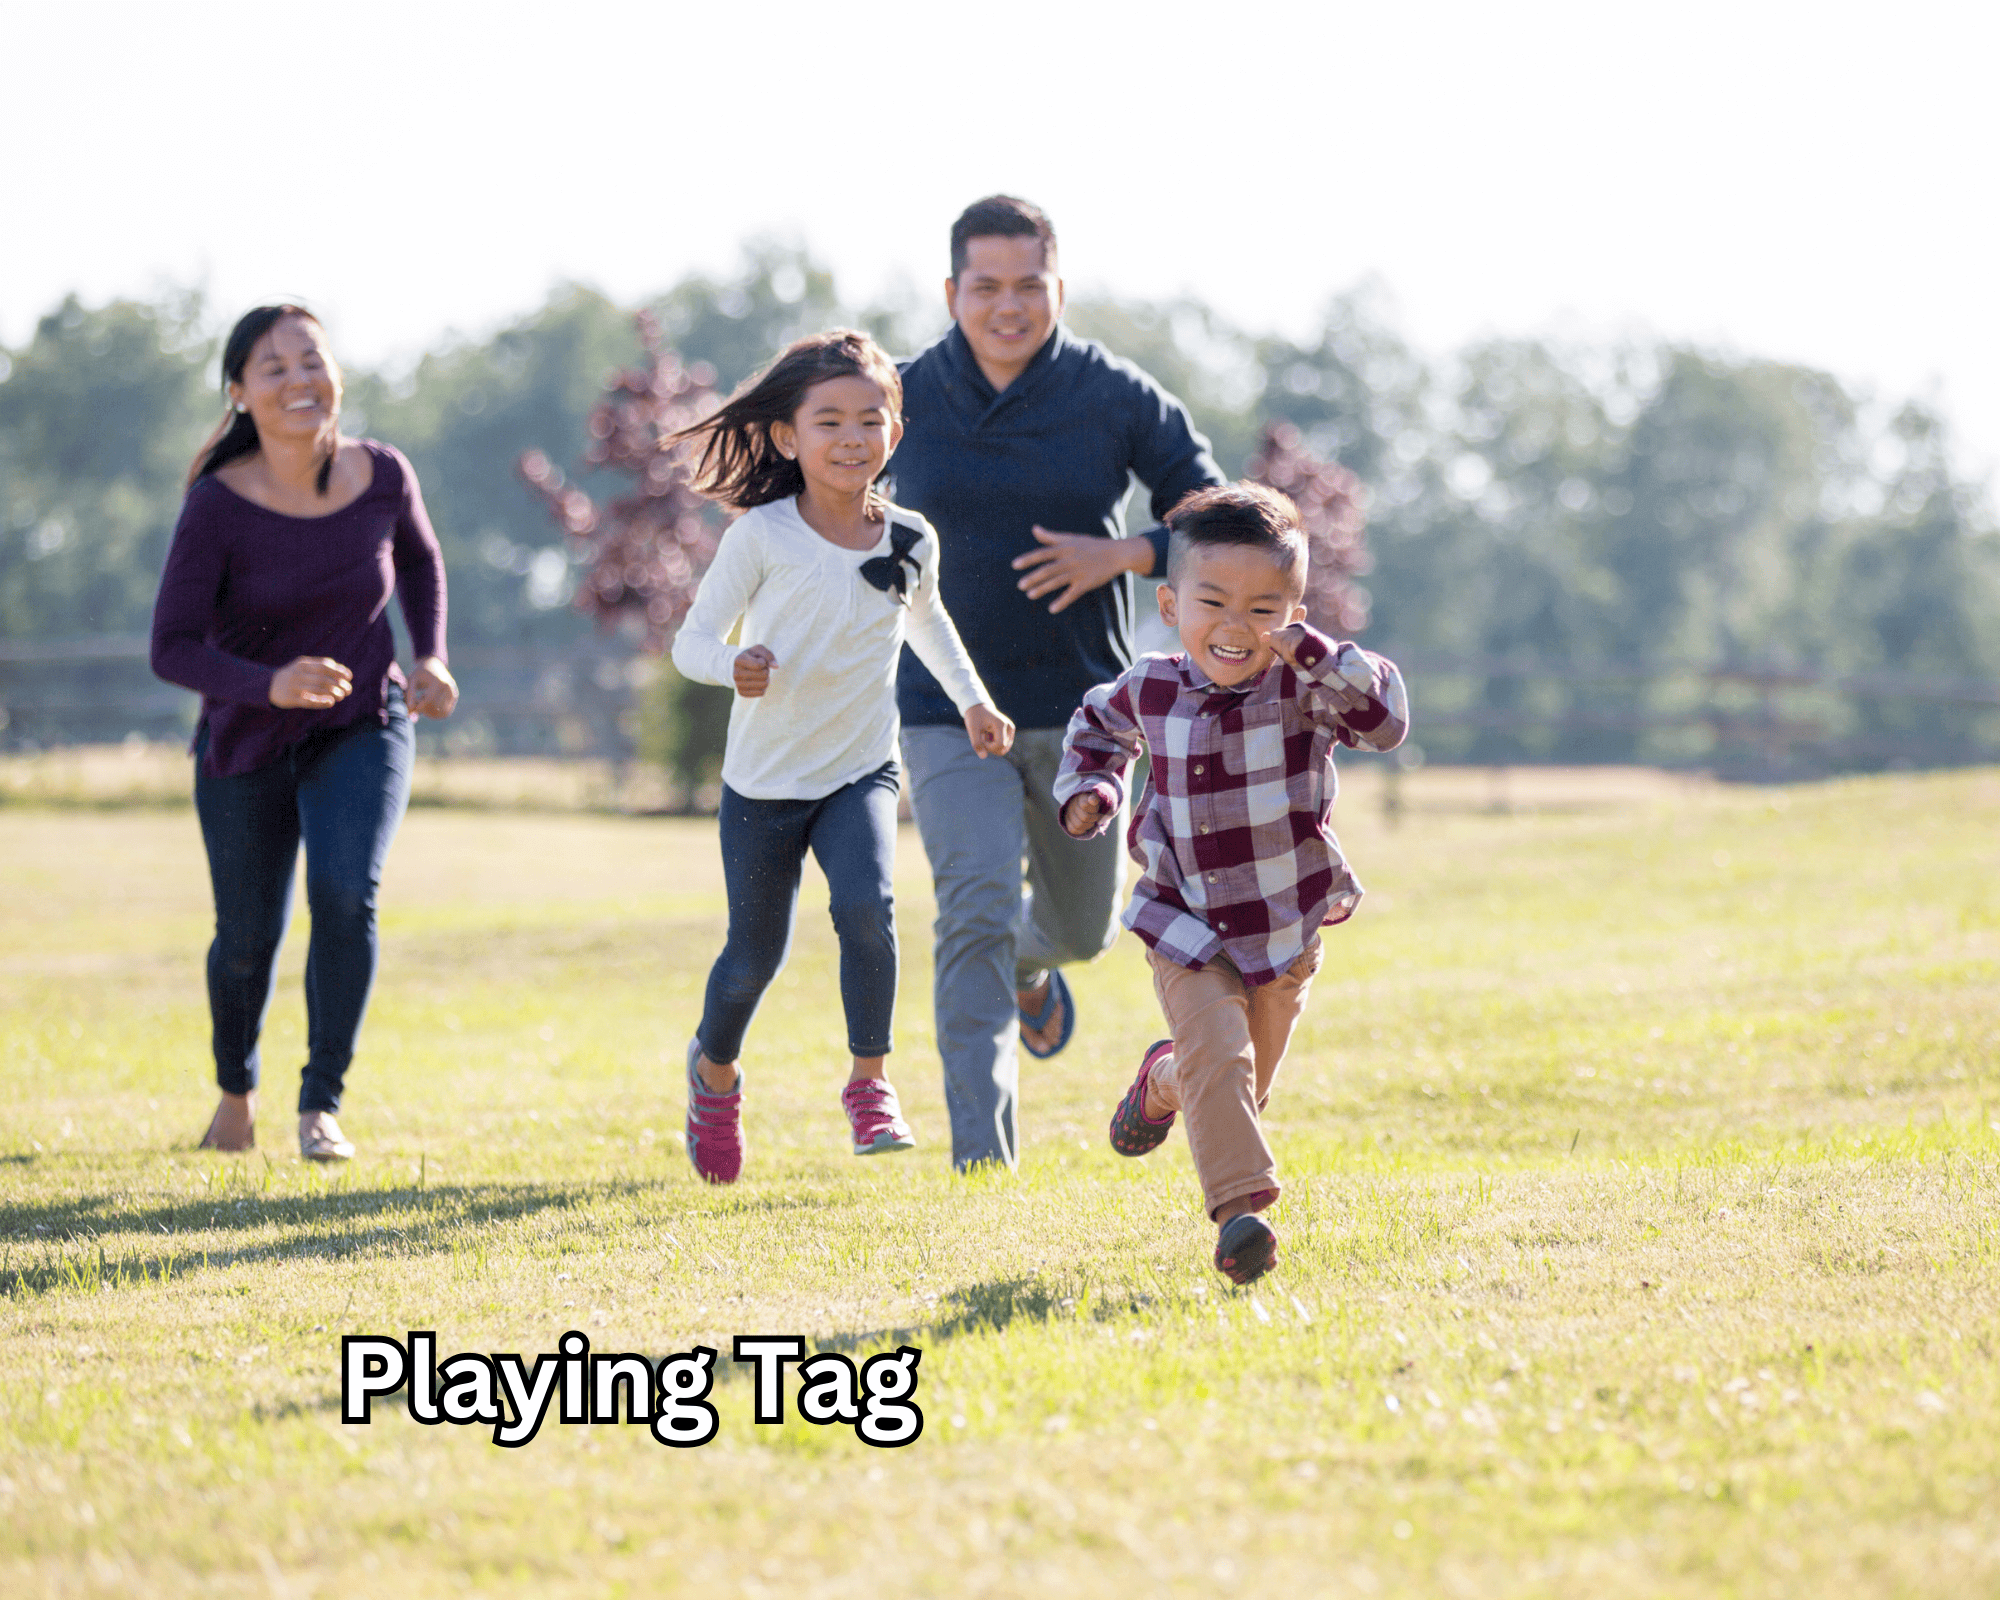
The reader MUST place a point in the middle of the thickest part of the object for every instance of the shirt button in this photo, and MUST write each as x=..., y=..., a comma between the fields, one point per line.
x=1199, y=769
x=1222, y=927
x=1204, y=827
x=1211, y=877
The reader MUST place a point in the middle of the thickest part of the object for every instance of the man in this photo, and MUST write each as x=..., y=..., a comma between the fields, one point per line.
x=1020, y=442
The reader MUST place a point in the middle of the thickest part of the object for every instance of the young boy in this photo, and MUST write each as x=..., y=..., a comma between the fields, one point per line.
x=1240, y=865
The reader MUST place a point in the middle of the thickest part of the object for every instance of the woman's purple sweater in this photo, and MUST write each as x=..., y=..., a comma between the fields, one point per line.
x=247, y=591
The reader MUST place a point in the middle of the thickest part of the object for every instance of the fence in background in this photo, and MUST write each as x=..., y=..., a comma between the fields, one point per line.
x=581, y=700
x=1740, y=721
x=518, y=700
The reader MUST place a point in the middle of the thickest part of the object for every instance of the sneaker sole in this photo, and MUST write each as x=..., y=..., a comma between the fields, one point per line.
x=885, y=1145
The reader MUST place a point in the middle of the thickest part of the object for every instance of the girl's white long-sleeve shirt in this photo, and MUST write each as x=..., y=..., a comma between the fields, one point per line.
x=829, y=715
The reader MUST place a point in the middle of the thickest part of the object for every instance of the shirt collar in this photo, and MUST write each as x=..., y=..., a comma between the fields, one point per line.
x=967, y=364
x=1199, y=682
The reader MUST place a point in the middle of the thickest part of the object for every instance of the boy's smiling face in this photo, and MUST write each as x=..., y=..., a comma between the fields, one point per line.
x=1227, y=602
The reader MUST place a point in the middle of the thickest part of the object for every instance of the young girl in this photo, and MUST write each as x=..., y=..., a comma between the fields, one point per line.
x=828, y=580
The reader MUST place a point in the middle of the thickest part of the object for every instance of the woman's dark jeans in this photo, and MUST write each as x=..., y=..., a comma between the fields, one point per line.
x=852, y=833
x=341, y=793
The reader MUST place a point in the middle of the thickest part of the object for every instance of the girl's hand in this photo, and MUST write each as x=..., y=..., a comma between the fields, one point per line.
x=991, y=733
x=433, y=690
x=753, y=671
x=1077, y=563
x=1082, y=814
x=311, y=683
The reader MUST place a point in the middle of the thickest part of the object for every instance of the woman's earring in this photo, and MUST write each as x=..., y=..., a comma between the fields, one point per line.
x=241, y=409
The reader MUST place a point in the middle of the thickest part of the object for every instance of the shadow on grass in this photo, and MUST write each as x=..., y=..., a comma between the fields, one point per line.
x=979, y=1308
x=332, y=1224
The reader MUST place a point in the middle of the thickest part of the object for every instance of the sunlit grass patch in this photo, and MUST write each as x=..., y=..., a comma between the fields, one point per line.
x=1638, y=1235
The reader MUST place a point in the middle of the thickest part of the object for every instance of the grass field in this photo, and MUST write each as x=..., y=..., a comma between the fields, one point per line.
x=1640, y=1231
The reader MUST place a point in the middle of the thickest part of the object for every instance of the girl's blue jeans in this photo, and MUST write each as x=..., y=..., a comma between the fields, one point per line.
x=341, y=794
x=852, y=834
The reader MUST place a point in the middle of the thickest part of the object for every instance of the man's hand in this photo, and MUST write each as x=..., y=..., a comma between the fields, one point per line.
x=1285, y=643
x=1081, y=814
x=1077, y=563
x=311, y=683
x=433, y=690
x=753, y=671
x=991, y=733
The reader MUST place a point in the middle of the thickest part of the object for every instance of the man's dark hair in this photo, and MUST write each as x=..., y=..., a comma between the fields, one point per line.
x=1001, y=216
x=1238, y=513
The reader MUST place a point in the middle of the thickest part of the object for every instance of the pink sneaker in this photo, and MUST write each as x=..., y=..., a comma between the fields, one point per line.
x=714, y=1125
x=876, y=1118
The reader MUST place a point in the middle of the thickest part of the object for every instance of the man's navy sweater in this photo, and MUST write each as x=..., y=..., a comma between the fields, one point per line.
x=1058, y=447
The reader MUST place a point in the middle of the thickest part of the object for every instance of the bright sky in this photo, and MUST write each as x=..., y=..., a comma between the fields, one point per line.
x=1808, y=181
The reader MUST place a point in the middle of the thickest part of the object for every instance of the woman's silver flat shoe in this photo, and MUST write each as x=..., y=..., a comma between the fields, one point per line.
x=328, y=1144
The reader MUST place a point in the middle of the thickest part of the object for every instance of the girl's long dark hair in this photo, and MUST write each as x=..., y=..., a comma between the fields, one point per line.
x=738, y=464
x=237, y=437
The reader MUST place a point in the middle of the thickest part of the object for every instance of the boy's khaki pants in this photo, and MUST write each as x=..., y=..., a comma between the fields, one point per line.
x=1229, y=1040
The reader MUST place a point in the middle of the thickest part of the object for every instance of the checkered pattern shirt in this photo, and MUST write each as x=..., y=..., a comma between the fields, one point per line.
x=1234, y=831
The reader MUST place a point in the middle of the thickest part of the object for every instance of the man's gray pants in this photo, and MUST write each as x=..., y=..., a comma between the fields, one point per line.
x=979, y=820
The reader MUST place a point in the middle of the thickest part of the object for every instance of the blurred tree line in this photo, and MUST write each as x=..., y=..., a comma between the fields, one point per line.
x=1569, y=542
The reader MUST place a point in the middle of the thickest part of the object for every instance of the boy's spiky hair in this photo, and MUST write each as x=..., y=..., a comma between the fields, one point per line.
x=1239, y=513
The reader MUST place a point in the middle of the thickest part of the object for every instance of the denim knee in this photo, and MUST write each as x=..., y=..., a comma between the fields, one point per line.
x=341, y=906
x=246, y=949
x=740, y=975
x=865, y=921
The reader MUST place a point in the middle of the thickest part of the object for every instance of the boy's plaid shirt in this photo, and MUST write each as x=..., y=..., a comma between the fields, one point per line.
x=1234, y=831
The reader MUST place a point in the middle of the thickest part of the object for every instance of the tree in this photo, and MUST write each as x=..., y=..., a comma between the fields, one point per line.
x=1579, y=533
x=643, y=553
x=1329, y=500
x=1914, y=594
x=467, y=411
x=100, y=414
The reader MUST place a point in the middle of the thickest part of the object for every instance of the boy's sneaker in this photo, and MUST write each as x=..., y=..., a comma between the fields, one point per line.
x=876, y=1118
x=714, y=1125
x=1133, y=1133
x=1246, y=1248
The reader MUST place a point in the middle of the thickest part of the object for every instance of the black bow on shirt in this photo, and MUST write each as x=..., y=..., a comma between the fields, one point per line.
x=886, y=572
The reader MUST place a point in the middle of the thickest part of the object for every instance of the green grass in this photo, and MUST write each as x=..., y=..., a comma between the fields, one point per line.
x=1640, y=1233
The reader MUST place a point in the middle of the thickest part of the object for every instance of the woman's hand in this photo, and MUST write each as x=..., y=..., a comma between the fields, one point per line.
x=1077, y=563
x=433, y=690
x=753, y=671
x=991, y=733
x=311, y=683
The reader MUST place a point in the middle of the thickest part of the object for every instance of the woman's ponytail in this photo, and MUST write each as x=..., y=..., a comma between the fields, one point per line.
x=235, y=436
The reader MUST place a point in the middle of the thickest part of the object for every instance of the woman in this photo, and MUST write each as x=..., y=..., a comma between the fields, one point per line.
x=274, y=606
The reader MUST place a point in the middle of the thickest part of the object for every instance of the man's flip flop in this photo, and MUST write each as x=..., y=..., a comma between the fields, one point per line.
x=1059, y=995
